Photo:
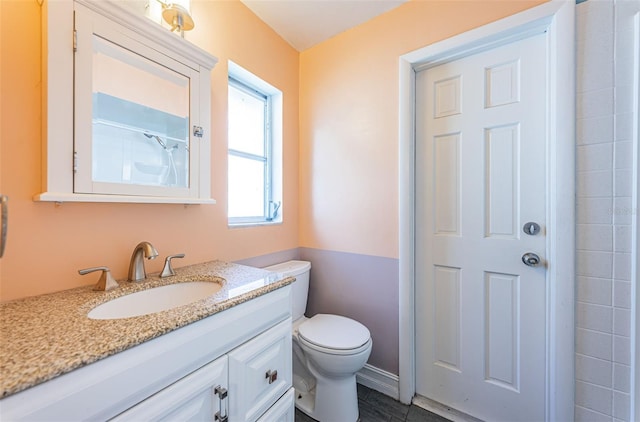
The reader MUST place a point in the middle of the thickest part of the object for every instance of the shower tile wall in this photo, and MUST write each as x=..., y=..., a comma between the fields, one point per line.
x=603, y=213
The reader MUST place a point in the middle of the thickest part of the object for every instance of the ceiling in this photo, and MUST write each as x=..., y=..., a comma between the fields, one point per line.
x=305, y=23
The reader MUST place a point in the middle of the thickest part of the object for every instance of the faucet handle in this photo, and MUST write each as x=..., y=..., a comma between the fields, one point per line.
x=168, y=271
x=106, y=282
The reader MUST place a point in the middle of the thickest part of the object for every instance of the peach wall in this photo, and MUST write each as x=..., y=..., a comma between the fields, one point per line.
x=2, y=38
x=48, y=243
x=349, y=121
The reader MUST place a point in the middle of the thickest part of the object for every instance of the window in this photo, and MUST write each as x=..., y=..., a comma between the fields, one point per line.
x=253, y=156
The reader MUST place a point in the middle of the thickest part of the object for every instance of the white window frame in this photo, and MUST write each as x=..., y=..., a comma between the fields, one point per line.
x=251, y=84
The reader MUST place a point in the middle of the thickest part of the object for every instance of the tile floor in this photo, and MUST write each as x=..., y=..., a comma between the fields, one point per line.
x=376, y=407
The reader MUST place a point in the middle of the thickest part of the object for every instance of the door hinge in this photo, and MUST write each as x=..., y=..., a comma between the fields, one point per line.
x=198, y=131
x=75, y=161
x=75, y=33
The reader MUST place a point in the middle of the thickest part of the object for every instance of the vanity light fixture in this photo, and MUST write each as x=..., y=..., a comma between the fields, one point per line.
x=177, y=15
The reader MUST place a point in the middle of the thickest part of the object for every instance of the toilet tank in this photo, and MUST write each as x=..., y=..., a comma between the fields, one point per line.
x=300, y=270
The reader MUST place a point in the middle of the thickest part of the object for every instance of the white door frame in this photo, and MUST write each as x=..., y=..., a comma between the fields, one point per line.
x=556, y=17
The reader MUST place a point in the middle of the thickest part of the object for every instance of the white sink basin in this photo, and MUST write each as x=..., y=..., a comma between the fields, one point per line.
x=154, y=300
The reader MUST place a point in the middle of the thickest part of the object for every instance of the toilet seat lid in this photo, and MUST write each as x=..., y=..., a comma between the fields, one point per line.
x=334, y=332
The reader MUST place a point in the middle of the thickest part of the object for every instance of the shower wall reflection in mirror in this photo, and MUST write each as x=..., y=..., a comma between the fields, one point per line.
x=140, y=120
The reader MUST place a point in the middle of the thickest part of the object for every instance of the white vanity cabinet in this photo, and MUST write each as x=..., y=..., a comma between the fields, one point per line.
x=242, y=385
x=236, y=363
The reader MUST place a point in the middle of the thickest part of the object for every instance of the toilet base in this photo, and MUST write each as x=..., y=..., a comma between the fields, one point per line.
x=325, y=380
x=305, y=402
x=333, y=401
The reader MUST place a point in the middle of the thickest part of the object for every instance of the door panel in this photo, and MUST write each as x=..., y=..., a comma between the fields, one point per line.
x=480, y=176
x=502, y=312
x=260, y=372
x=447, y=184
x=501, y=173
x=447, y=317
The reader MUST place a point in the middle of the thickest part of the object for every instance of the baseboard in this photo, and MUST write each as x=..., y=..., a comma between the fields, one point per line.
x=443, y=410
x=379, y=380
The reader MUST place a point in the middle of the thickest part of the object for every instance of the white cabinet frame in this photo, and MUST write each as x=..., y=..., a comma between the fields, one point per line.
x=58, y=103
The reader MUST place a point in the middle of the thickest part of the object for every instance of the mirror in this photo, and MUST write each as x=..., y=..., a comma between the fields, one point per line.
x=140, y=119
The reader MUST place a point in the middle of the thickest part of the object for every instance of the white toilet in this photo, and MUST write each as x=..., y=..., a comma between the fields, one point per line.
x=328, y=350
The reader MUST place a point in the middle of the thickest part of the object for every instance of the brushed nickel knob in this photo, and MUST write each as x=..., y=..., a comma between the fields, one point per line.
x=531, y=259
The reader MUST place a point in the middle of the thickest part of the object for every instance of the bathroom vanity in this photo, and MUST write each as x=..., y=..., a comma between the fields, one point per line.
x=225, y=357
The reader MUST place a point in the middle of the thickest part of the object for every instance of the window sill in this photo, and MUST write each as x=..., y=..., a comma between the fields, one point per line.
x=253, y=224
x=80, y=197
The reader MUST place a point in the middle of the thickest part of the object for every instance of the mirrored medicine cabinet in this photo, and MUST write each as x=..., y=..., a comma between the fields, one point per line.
x=127, y=108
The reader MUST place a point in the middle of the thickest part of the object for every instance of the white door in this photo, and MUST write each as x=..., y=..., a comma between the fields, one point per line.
x=481, y=134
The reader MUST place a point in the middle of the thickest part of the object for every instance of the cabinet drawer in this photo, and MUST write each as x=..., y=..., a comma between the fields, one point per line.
x=254, y=385
x=284, y=409
x=193, y=398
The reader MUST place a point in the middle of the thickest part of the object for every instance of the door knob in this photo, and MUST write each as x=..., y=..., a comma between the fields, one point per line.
x=531, y=259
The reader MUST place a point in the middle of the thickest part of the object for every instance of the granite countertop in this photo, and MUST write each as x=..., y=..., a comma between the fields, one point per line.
x=42, y=337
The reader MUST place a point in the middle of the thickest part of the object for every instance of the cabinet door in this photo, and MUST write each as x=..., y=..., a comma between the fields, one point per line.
x=260, y=373
x=284, y=409
x=193, y=398
x=134, y=113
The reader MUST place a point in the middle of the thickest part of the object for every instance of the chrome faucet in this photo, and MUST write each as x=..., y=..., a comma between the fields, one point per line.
x=136, y=266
